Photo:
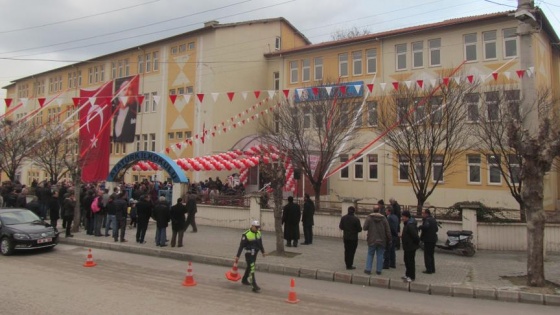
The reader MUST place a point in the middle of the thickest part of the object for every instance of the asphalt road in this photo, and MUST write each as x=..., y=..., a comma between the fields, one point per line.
x=55, y=282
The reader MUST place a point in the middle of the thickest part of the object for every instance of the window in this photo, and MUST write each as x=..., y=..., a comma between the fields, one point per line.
x=473, y=162
x=278, y=43
x=401, y=56
x=154, y=103
x=190, y=46
x=117, y=148
x=120, y=69
x=318, y=62
x=437, y=168
x=420, y=167
x=187, y=134
x=371, y=55
x=137, y=140
x=512, y=102
x=179, y=135
x=404, y=168
x=471, y=101
x=276, y=80
x=420, y=112
x=344, y=171
x=494, y=175
x=182, y=48
x=145, y=139
x=140, y=64
x=153, y=141
x=470, y=47
x=90, y=75
x=293, y=71
x=319, y=117
x=434, y=45
x=171, y=135
x=146, y=102
x=372, y=113
x=148, y=63
x=306, y=117
x=357, y=62
x=181, y=91
x=492, y=105
x=155, y=56
x=436, y=109
x=343, y=65
x=514, y=168
x=489, y=45
x=417, y=54
x=189, y=89
x=372, y=166
x=113, y=70
x=510, y=42
x=359, y=117
x=172, y=92
x=174, y=50
x=402, y=110
x=305, y=70
x=359, y=168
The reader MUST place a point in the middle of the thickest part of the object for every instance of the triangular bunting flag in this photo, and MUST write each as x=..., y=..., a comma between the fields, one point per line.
x=408, y=83
x=286, y=93
x=230, y=95
x=271, y=93
x=446, y=81
x=257, y=94
x=299, y=92
x=173, y=98
x=167, y=150
x=41, y=101
x=383, y=85
x=358, y=88
x=470, y=78
x=315, y=91
x=8, y=102
x=215, y=96
x=76, y=101
x=155, y=97
x=433, y=82
x=483, y=77
x=59, y=101
x=343, y=89
x=495, y=75
x=122, y=99
x=244, y=94
x=457, y=79
x=396, y=85
x=141, y=99
x=187, y=98
x=328, y=89
x=200, y=97
x=370, y=87
x=520, y=73
x=92, y=101
x=24, y=101
x=420, y=83
x=507, y=74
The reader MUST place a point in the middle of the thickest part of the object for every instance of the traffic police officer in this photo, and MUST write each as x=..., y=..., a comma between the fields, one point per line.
x=251, y=242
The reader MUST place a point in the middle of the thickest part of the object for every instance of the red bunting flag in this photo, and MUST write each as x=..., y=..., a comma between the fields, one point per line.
x=173, y=98
x=446, y=81
x=495, y=75
x=315, y=91
x=200, y=97
x=420, y=83
x=470, y=78
x=520, y=73
x=8, y=102
x=41, y=101
x=76, y=101
x=257, y=94
x=167, y=150
x=370, y=87
x=178, y=145
x=343, y=89
x=396, y=85
x=230, y=95
x=140, y=99
x=286, y=93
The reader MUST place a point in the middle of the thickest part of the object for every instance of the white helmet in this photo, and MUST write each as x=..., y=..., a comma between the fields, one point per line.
x=255, y=223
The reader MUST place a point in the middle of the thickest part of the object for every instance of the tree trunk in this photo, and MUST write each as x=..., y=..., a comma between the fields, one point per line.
x=77, y=212
x=317, y=191
x=277, y=194
x=532, y=192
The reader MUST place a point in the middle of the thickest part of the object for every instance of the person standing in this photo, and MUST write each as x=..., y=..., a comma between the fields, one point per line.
x=429, y=237
x=191, y=213
x=251, y=242
x=86, y=205
x=133, y=212
x=410, y=243
x=178, y=224
x=290, y=218
x=68, y=211
x=54, y=209
x=378, y=238
x=390, y=255
x=144, y=211
x=350, y=226
x=307, y=220
x=99, y=211
x=111, y=221
x=396, y=210
x=162, y=217
x=120, y=217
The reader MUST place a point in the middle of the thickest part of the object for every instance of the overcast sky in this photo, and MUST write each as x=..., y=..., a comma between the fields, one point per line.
x=38, y=35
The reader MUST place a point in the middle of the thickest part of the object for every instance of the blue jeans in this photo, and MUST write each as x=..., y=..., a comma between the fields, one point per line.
x=111, y=223
x=161, y=236
x=372, y=250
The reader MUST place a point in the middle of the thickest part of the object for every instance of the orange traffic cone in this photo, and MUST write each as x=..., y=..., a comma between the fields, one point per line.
x=232, y=275
x=89, y=261
x=292, y=297
x=189, y=280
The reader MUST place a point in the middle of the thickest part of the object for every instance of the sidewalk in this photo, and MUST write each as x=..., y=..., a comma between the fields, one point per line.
x=324, y=260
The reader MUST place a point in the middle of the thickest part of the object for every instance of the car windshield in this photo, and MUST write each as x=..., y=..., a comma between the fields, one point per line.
x=19, y=217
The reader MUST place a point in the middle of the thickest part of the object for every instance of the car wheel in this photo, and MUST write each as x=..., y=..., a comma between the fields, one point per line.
x=6, y=246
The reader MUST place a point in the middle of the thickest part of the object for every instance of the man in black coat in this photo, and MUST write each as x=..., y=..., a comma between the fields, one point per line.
x=307, y=220
x=410, y=243
x=162, y=217
x=121, y=206
x=178, y=222
x=290, y=218
x=144, y=212
x=191, y=213
x=350, y=226
x=429, y=237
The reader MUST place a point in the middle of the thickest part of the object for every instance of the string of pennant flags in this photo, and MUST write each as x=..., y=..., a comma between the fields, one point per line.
x=342, y=88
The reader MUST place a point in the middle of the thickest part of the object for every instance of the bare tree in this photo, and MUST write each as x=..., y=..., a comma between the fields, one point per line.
x=529, y=158
x=315, y=130
x=275, y=174
x=74, y=163
x=428, y=131
x=349, y=33
x=49, y=152
x=17, y=140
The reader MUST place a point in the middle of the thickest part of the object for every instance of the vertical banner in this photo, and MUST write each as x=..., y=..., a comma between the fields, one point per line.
x=94, y=140
x=125, y=107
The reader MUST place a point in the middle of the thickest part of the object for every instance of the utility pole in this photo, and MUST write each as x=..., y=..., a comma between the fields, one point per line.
x=525, y=29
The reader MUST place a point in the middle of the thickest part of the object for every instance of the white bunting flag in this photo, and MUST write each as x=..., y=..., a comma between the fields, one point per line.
x=215, y=96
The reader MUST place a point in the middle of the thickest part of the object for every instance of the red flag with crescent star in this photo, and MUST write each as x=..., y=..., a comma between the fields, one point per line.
x=95, y=132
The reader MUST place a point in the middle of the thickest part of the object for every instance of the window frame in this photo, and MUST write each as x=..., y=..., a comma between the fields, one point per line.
x=306, y=70
x=469, y=44
x=493, y=166
x=318, y=68
x=470, y=103
x=294, y=71
x=371, y=61
x=434, y=47
x=372, y=107
x=358, y=167
x=508, y=39
x=344, y=173
x=343, y=64
x=437, y=163
x=490, y=42
x=401, y=55
x=404, y=162
x=417, y=51
x=373, y=164
x=357, y=63
x=492, y=103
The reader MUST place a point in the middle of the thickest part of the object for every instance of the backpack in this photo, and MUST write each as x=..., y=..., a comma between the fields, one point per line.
x=95, y=205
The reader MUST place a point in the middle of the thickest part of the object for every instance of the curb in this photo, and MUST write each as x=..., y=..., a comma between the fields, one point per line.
x=342, y=277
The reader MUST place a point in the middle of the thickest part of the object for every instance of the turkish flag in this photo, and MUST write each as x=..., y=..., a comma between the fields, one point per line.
x=95, y=133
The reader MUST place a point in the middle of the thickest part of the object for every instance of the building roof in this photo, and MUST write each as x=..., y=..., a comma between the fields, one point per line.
x=420, y=28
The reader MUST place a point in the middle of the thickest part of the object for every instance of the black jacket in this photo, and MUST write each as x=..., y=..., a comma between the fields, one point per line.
x=162, y=215
x=144, y=209
x=350, y=226
x=178, y=217
x=54, y=208
x=410, y=240
x=308, y=212
x=290, y=218
x=120, y=208
x=429, y=230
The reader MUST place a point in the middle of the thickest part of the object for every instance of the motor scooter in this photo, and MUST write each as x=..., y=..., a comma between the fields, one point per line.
x=458, y=242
